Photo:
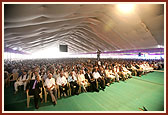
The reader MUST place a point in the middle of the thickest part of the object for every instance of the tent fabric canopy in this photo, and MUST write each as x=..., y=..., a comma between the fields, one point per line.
x=83, y=27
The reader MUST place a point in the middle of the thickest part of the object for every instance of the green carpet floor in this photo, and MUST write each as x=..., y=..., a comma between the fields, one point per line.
x=136, y=92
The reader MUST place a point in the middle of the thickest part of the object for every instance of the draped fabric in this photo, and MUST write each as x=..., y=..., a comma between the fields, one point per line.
x=83, y=27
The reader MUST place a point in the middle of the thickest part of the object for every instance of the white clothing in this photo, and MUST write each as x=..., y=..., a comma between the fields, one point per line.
x=81, y=79
x=21, y=81
x=50, y=82
x=116, y=69
x=133, y=67
x=106, y=72
x=66, y=74
x=96, y=75
x=61, y=80
x=111, y=74
x=127, y=71
x=99, y=62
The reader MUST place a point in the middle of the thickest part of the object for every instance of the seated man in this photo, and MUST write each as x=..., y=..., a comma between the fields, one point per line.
x=34, y=74
x=148, y=67
x=50, y=85
x=133, y=69
x=127, y=72
x=62, y=82
x=22, y=80
x=45, y=76
x=121, y=73
x=99, y=78
x=33, y=87
x=143, y=68
x=89, y=77
x=117, y=77
x=6, y=79
x=107, y=79
x=82, y=81
x=73, y=83
x=139, y=70
x=110, y=75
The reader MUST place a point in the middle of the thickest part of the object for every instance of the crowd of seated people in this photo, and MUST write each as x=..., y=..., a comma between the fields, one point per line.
x=76, y=75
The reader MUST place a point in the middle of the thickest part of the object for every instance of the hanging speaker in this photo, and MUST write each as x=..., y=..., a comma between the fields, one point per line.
x=63, y=48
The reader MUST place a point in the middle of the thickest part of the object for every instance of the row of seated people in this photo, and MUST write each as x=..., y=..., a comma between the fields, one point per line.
x=86, y=76
x=135, y=68
x=108, y=71
x=17, y=66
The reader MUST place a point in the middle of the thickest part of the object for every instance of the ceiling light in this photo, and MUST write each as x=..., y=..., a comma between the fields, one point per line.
x=15, y=48
x=126, y=8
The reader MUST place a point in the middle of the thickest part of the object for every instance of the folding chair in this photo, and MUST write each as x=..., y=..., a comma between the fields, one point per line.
x=31, y=96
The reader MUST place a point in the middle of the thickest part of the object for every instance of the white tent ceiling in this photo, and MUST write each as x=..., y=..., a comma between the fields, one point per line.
x=83, y=27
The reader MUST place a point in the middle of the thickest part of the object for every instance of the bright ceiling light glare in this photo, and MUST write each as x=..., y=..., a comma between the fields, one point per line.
x=126, y=8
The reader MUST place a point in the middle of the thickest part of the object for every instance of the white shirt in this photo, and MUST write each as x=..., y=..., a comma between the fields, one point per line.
x=75, y=74
x=81, y=77
x=50, y=82
x=111, y=73
x=84, y=72
x=61, y=80
x=125, y=69
x=66, y=74
x=116, y=69
x=96, y=75
x=23, y=78
x=142, y=66
x=106, y=71
x=72, y=78
x=133, y=67
x=99, y=63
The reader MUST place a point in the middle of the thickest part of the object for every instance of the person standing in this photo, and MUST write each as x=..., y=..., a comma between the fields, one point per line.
x=98, y=54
